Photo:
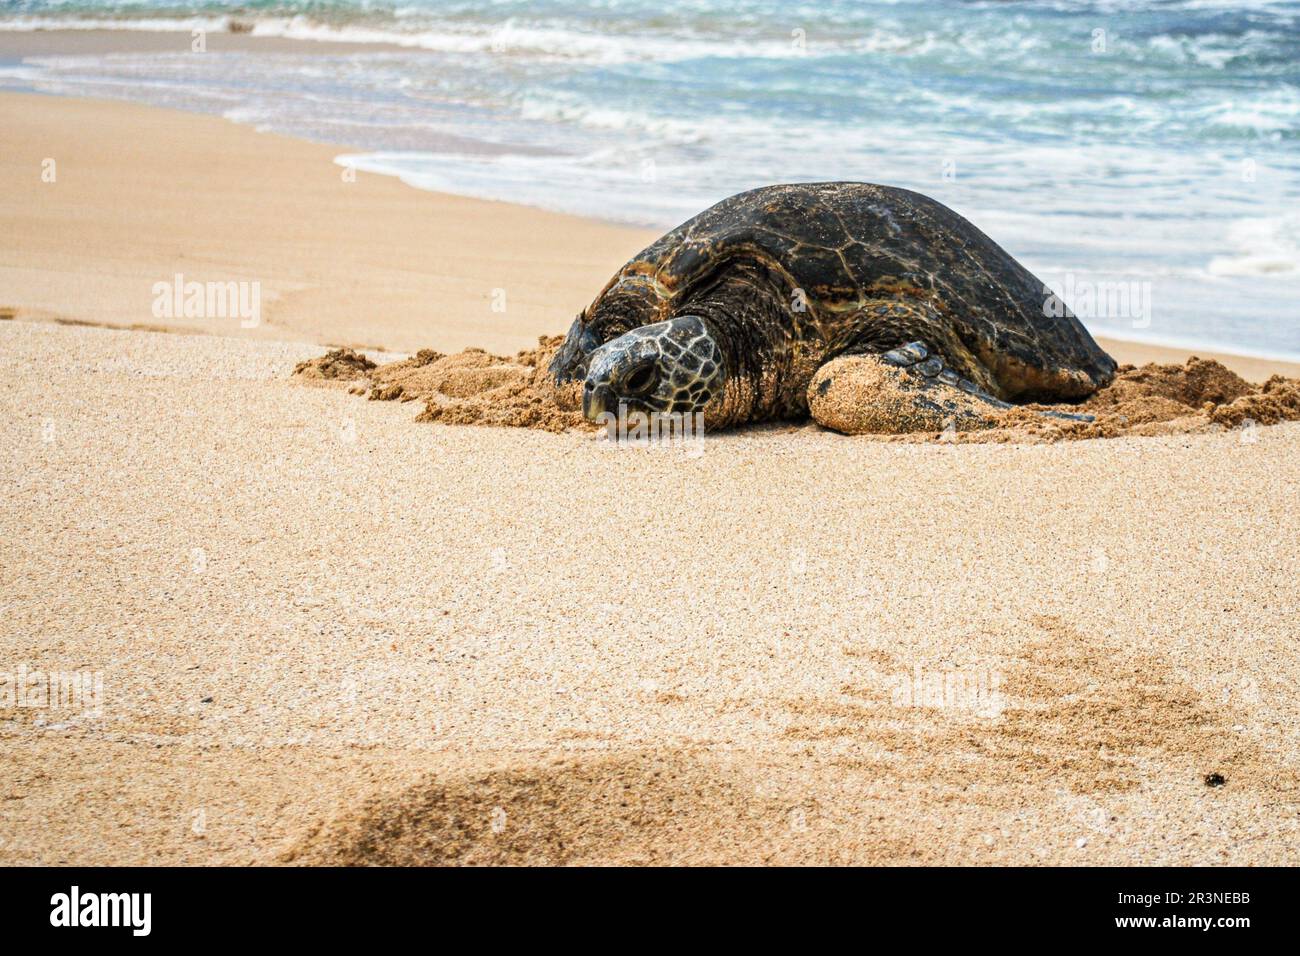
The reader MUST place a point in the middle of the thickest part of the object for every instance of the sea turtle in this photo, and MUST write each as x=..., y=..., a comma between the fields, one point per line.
x=734, y=312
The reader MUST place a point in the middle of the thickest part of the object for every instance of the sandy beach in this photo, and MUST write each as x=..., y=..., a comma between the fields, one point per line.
x=328, y=633
x=142, y=194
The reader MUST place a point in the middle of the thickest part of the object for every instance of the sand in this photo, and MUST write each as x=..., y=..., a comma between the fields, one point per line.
x=142, y=195
x=328, y=632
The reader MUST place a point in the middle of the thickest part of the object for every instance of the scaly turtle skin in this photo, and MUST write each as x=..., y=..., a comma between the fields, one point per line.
x=733, y=312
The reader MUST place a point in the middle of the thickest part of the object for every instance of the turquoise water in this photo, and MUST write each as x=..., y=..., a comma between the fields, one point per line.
x=1142, y=157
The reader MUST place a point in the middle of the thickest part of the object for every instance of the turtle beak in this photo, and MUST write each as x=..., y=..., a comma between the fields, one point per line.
x=595, y=401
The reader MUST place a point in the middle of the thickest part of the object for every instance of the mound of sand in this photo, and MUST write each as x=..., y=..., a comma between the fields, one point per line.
x=341, y=365
x=470, y=388
x=869, y=399
x=618, y=809
x=1199, y=395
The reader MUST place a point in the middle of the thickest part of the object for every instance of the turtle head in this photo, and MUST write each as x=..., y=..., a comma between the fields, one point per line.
x=672, y=366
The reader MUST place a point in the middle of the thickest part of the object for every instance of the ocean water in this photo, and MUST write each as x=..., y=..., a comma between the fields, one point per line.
x=1141, y=156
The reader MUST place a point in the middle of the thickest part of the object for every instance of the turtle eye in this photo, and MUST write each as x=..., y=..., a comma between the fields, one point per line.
x=641, y=380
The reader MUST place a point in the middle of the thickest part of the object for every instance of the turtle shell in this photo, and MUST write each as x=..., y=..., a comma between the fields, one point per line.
x=842, y=249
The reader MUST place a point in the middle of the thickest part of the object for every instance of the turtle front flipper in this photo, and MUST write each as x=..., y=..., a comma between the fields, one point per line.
x=907, y=389
x=865, y=394
x=915, y=357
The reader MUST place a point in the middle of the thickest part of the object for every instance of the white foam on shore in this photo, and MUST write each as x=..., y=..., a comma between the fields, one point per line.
x=508, y=38
x=1265, y=246
x=141, y=25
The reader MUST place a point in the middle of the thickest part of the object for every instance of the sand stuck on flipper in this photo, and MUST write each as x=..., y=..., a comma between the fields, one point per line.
x=474, y=387
x=864, y=395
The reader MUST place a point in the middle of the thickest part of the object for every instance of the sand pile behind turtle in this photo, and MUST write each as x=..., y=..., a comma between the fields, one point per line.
x=1199, y=395
x=472, y=387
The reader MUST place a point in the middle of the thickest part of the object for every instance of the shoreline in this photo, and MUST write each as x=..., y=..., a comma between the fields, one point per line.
x=84, y=41
x=18, y=44
x=387, y=248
